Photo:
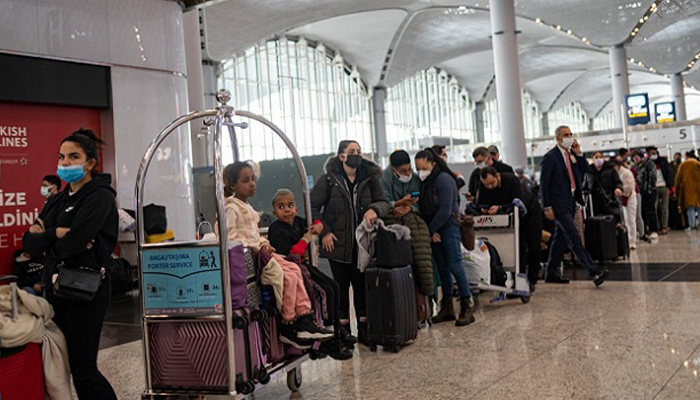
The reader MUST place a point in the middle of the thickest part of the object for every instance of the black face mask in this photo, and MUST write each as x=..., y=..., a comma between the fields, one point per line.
x=353, y=160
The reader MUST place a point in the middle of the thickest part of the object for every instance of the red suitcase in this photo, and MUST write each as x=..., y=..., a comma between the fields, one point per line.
x=22, y=376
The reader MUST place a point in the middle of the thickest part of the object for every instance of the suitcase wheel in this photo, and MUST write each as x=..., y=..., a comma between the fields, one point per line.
x=294, y=379
x=240, y=322
x=395, y=348
x=257, y=315
x=263, y=376
x=525, y=299
x=245, y=388
x=373, y=348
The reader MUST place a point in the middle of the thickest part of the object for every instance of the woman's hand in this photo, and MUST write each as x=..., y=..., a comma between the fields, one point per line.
x=329, y=242
x=316, y=229
x=618, y=192
x=61, y=232
x=400, y=211
x=38, y=227
x=493, y=210
x=370, y=217
x=435, y=238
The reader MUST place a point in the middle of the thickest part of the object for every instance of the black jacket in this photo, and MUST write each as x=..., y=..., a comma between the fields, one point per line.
x=283, y=236
x=475, y=178
x=601, y=185
x=341, y=211
x=91, y=215
x=555, y=185
x=510, y=189
x=666, y=171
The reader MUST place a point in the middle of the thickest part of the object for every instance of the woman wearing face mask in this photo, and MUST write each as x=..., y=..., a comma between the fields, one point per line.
x=80, y=231
x=439, y=206
x=347, y=195
x=605, y=186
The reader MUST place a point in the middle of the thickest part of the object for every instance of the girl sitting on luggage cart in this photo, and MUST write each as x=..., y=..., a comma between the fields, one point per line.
x=291, y=236
x=298, y=326
x=439, y=206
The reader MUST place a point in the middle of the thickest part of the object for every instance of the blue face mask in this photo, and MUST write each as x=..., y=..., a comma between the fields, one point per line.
x=71, y=173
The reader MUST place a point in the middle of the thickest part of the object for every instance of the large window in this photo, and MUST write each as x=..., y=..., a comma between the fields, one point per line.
x=572, y=115
x=604, y=122
x=428, y=104
x=308, y=91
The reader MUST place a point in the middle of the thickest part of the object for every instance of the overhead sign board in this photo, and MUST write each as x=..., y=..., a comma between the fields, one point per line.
x=665, y=112
x=637, y=108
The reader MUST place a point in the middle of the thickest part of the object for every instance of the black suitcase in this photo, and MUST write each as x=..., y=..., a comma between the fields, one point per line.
x=391, y=307
x=623, y=242
x=601, y=237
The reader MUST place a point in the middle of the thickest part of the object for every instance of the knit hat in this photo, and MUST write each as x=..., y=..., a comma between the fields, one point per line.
x=399, y=158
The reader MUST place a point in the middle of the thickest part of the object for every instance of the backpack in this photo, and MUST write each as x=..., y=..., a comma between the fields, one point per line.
x=498, y=274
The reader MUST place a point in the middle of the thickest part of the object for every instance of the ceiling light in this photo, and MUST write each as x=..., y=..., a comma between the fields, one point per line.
x=631, y=60
x=569, y=32
x=634, y=33
x=538, y=20
x=646, y=17
x=641, y=20
x=559, y=27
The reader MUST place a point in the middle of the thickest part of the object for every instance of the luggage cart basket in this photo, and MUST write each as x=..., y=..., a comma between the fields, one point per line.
x=187, y=316
x=503, y=232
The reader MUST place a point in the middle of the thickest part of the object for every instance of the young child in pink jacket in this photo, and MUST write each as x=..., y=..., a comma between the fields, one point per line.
x=299, y=328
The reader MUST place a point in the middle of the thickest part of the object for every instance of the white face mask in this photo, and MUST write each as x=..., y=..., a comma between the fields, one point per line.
x=46, y=191
x=405, y=178
x=424, y=174
x=654, y=157
x=481, y=164
x=567, y=142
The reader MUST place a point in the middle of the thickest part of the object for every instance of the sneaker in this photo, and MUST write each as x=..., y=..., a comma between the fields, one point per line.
x=307, y=328
x=344, y=335
x=335, y=349
x=654, y=235
x=289, y=336
x=601, y=277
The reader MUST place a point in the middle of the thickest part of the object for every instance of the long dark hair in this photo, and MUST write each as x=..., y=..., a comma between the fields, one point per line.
x=231, y=174
x=88, y=141
x=335, y=162
x=440, y=164
x=427, y=199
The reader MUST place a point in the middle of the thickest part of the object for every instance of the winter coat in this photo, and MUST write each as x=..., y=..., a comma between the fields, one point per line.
x=341, y=211
x=91, y=214
x=628, y=183
x=687, y=184
x=646, y=176
x=602, y=184
x=394, y=189
x=420, y=246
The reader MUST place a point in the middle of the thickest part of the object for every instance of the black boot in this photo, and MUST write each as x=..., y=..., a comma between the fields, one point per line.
x=447, y=311
x=348, y=339
x=335, y=349
x=465, y=313
x=362, y=332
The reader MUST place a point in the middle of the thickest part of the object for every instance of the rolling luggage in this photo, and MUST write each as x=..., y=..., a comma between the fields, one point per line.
x=22, y=376
x=623, y=242
x=601, y=237
x=391, y=318
x=250, y=359
x=423, y=309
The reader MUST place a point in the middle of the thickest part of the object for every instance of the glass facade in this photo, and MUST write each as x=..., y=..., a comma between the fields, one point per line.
x=604, y=122
x=573, y=116
x=308, y=91
x=428, y=104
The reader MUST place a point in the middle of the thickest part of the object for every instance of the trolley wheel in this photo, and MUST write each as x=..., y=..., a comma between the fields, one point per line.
x=313, y=354
x=257, y=315
x=373, y=347
x=240, y=322
x=263, y=376
x=294, y=379
x=245, y=388
x=271, y=311
x=525, y=299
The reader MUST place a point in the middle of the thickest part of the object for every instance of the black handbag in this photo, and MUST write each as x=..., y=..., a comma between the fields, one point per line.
x=390, y=251
x=78, y=283
x=155, y=220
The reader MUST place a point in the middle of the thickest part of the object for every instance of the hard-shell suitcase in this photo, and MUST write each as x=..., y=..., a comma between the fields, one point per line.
x=22, y=376
x=601, y=237
x=423, y=309
x=391, y=316
x=249, y=355
x=623, y=242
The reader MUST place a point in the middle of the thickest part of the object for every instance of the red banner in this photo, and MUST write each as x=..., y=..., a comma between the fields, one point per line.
x=30, y=136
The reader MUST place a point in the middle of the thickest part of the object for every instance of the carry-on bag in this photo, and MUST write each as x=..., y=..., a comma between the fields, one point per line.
x=623, y=242
x=601, y=237
x=390, y=251
x=391, y=318
x=250, y=358
x=239, y=280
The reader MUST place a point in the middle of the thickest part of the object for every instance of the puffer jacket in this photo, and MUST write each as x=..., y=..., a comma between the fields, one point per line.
x=341, y=211
x=646, y=176
x=420, y=246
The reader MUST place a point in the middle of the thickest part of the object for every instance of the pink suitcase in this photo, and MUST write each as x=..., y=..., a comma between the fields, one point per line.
x=248, y=345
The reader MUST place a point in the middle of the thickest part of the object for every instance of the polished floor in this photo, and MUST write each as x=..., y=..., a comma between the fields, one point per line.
x=636, y=337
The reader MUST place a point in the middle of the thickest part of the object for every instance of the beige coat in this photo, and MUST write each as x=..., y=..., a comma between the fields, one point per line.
x=687, y=185
x=242, y=224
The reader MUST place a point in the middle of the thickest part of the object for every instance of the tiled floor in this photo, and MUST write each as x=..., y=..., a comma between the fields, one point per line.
x=637, y=337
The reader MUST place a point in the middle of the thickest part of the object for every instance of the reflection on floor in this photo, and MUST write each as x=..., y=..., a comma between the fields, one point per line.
x=637, y=337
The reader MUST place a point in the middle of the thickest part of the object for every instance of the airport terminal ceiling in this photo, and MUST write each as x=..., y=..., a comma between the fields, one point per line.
x=563, y=43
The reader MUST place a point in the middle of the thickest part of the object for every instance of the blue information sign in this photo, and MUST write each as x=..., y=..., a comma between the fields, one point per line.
x=182, y=281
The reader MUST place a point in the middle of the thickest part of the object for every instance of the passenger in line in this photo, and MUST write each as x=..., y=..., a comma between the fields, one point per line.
x=664, y=183
x=399, y=183
x=498, y=194
x=298, y=327
x=442, y=152
x=605, y=187
x=629, y=201
x=483, y=159
x=560, y=185
x=348, y=194
x=687, y=186
x=646, y=177
x=81, y=230
x=439, y=206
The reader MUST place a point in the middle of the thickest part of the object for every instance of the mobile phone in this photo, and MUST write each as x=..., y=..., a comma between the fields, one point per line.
x=415, y=195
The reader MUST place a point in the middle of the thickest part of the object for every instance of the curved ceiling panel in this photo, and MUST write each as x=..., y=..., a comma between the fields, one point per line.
x=546, y=89
x=669, y=13
x=670, y=49
x=233, y=26
x=604, y=22
x=473, y=71
x=366, y=47
x=541, y=61
x=692, y=78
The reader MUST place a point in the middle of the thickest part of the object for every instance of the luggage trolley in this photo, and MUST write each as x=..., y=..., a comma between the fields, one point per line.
x=187, y=322
x=503, y=231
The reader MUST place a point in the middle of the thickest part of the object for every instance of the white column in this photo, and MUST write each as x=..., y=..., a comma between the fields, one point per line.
x=545, y=124
x=678, y=93
x=379, y=114
x=479, y=118
x=620, y=80
x=508, y=87
x=195, y=88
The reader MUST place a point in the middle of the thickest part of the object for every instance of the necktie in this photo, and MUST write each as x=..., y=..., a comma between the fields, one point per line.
x=567, y=158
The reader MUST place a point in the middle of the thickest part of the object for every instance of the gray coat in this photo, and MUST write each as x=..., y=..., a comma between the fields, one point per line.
x=341, y=211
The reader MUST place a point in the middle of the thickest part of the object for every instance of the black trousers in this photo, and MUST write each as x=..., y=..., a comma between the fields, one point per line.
x=530, y=240
x=651, y=220
x=346, y=275
x=332, y=290
x=81, y=324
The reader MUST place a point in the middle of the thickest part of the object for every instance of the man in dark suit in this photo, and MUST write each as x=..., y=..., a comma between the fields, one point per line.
x=560, y=181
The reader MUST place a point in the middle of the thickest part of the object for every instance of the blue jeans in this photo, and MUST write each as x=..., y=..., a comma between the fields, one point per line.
x=691, y=213
x=448, y=259
x=566, y=236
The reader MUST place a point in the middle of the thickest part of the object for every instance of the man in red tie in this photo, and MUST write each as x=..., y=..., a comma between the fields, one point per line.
x=560, y=182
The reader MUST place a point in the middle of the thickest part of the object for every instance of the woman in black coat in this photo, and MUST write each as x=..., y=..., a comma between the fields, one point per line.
x=80, y=231
x=345, y=196
x=605, y=186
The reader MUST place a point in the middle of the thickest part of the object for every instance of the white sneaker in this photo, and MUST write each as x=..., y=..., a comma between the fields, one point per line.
x=654, y=235
x=633, y=246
